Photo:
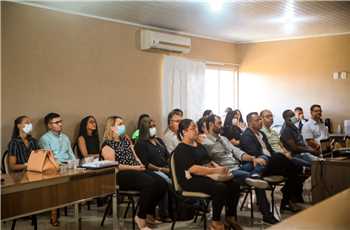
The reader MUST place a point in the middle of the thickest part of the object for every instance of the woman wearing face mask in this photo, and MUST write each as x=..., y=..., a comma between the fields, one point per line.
x=194, y=170
x=154, y=155
x=132, y=173
x=231, y=129
x=21, y=144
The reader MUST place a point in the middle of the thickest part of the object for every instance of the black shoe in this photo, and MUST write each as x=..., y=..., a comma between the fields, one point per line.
x=289, y=207
x=270, y=219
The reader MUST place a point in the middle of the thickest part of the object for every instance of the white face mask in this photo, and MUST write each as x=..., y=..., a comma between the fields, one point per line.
x=152, y=131
x=234, y=121
x=28, y=128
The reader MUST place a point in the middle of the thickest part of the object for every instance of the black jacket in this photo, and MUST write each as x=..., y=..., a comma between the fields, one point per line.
x=251, y=145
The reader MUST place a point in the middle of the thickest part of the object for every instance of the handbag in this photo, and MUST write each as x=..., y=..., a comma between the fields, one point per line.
x=42, y=160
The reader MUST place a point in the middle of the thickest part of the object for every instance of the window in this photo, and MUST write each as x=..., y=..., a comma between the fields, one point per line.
x=220, y=89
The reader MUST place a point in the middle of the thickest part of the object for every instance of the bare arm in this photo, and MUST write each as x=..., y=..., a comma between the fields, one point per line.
x=247, y=157
x=313, y=144
x=108, y=154
x=13, y=166
x=234, y=141
x=204, y=171
x=299, y=148
x=82, y=147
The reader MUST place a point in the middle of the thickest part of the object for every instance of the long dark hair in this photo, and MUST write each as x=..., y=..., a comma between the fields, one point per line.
x=228, y=119
x=201, y=124
x=83, y=130
x=18, y=120
x=140, y=118
x=144, y=128
x=184, y=124
x=237, y=111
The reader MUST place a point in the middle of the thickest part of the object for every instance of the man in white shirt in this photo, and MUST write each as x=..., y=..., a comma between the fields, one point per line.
x=314, y=130
x=170, y=137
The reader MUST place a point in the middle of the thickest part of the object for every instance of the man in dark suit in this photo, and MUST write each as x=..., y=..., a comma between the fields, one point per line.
x=255, y=142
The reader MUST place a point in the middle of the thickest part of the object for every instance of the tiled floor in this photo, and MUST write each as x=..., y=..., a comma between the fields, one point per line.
x=91, y=220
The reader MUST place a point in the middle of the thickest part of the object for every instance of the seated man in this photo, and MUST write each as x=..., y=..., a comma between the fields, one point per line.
x=315, y=130
x=294, y=142
x=299, y=113
x=225, y=154
x=272, y=136
x=254, y=142
x=170, y=137
x=55, y=140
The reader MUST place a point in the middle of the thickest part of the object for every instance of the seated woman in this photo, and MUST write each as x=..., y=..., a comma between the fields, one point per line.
x=231, y=129
x=194, y=170
x=202, y=129
x=151, y=149
x=136, y=134
x=132, y=173
x=21, y=144
x=88, y=140
x=154, y=155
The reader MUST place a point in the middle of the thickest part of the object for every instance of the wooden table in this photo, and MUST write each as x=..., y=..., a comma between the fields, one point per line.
x=328, y=177
x=330, y=214
x=29, y=193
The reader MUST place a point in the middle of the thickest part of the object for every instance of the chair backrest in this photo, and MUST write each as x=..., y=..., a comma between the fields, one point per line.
x=175, y=183
x=5, y=162
x=75, y=149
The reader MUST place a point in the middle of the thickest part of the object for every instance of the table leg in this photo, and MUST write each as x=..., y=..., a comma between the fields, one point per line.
x=76, y=213
x=115, y=212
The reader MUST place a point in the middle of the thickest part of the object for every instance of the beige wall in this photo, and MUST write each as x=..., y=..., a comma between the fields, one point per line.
x=77, y=66
x=284, y=74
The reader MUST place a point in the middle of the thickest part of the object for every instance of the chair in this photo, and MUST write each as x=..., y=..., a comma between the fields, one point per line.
x=4, y=163
x=5, y=169
x=247, y=190
x=186, y=194
x=273, y=182
x=131, y=195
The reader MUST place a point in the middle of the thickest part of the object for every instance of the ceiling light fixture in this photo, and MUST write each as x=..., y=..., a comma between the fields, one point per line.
x=215, y=5
x=289, y=17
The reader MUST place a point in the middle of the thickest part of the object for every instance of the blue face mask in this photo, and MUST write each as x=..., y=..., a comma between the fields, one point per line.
x=121, y=130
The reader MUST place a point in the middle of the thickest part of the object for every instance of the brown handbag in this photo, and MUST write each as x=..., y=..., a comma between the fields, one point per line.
x=42, y=160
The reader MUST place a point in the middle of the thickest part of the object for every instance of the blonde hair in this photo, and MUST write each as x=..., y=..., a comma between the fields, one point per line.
x=109, y=134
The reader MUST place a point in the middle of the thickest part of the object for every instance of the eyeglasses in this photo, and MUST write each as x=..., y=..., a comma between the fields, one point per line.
x=56, y=122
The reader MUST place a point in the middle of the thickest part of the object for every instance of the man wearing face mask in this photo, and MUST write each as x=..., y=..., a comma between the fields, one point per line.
x=293, y=140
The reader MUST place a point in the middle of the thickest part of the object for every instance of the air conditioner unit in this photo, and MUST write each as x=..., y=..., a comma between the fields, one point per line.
x=163, y=41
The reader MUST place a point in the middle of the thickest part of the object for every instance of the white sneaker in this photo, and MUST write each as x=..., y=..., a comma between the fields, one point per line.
x=257, y=183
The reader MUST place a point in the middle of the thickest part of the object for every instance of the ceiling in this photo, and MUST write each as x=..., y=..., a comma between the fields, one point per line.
x=236, y=21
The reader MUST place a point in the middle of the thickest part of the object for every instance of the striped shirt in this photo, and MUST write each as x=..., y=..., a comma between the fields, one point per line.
x=17, y=148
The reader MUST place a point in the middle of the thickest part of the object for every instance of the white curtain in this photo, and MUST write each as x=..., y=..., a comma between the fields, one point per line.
x=183, y=87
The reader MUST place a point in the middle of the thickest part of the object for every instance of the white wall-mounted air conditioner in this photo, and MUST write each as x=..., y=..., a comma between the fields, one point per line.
x=163, y=41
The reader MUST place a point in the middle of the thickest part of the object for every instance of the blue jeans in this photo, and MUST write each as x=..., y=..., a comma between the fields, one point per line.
x=248, y=169
x=248, y=166
x=304, y=159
